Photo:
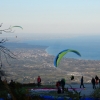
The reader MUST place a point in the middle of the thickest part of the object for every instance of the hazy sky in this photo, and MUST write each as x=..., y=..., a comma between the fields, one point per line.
x=51, y=18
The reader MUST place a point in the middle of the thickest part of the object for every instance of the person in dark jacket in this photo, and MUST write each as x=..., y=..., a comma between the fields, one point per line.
x=82, y=82
x=63, y=84
x=93, y=83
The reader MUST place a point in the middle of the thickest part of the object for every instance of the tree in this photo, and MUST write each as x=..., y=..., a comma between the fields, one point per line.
x=5, y=52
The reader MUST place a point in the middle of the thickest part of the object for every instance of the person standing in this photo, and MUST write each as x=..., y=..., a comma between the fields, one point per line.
x=96, y=79
x=82, y=82
x=93, y=83
x=99, y=82
x=12, y=84
x=63, y=84
x=39, y=81
x=58, y=85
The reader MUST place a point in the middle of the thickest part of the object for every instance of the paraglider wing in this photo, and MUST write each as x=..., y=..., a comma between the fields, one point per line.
x=59, y=57
x=17, y=26
x=61, y=54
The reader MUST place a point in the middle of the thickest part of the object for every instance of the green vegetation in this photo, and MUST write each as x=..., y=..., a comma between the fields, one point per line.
x=96, y=93
x=21, y=92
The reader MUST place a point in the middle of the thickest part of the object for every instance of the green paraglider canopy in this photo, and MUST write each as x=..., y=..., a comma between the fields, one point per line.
x=17, y=26
x=61, y=54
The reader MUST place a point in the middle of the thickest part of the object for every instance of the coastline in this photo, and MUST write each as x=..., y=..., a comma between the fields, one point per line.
x=36, y=59
x=77, y=58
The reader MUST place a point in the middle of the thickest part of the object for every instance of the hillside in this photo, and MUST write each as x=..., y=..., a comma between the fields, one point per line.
x=32, y=62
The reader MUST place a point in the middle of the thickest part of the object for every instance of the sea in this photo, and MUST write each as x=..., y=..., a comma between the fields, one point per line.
x=87, y=46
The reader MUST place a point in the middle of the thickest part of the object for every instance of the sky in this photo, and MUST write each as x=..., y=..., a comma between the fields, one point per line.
x=50, y=18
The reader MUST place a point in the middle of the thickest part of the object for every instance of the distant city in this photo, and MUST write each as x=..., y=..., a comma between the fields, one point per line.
x=33, y=61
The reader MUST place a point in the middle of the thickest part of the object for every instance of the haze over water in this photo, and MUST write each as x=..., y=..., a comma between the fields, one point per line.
x=88, y=46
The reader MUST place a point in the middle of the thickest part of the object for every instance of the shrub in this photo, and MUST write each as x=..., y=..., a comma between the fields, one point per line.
x=95, y=93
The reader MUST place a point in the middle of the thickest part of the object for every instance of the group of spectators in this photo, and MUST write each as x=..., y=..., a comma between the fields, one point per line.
x=95, y=81
x=59, y=84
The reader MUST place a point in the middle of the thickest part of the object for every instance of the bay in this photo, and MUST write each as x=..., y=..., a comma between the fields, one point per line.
x=88, y=46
